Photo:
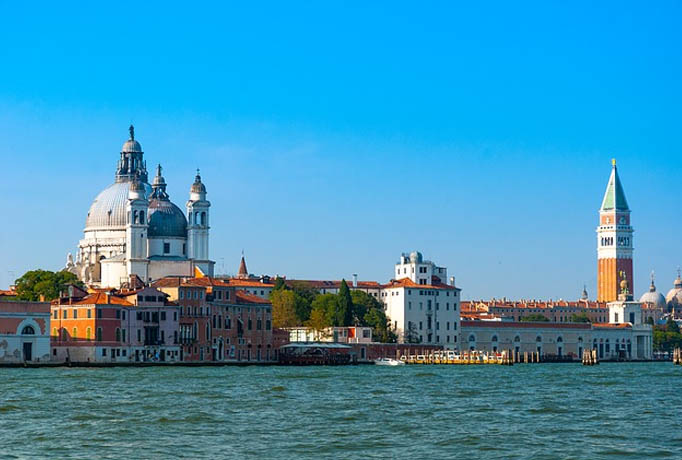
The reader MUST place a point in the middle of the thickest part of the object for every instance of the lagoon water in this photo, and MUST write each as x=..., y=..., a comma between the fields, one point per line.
x=541, y=411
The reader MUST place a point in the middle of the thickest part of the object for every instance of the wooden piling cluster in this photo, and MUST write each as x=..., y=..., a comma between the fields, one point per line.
x=677, y=356
x=590, y=358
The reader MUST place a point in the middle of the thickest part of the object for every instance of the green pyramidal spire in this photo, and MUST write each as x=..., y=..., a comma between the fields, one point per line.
x=614, y=198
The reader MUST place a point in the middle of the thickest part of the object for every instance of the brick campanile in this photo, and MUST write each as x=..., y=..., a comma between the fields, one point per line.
x=614, y=241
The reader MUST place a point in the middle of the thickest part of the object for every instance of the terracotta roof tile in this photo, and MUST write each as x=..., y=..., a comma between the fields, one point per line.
x=101, y=298
x=244, y=298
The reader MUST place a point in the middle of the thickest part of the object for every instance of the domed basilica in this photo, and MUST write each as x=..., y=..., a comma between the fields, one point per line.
x=133, y=228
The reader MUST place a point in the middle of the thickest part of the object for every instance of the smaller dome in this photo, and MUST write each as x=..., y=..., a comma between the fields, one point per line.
x=137, y=186
x=653, y=297
x=198, y=186
x=416, y=257
x=166, y=220
x=131, y=146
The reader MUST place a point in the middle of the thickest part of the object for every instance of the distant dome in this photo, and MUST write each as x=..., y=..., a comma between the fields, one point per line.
x=166, y=220
x=108, y=210
x=416, y=257
x=653, y=297
x=674, y=297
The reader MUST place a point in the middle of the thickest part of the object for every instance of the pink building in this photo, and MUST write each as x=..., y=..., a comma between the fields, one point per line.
x=24, y=331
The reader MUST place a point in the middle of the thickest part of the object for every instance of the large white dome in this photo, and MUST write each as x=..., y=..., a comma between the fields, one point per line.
x=108, y=210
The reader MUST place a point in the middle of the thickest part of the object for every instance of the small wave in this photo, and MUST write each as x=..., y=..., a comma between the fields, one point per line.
x=278, y=388
x=8, y=408
x=425, y=374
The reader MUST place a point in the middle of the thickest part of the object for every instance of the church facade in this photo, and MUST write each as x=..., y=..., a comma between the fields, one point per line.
x=133, y=228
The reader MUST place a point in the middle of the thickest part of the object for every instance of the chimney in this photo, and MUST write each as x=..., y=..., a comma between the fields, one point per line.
x=42, y=297
x=108, y=297
x=355, y=280
x=452, y=281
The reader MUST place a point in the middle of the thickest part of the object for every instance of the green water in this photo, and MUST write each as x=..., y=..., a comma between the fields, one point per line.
x=424, y=412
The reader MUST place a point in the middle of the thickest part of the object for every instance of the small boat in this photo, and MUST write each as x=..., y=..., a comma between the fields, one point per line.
x=388, y=362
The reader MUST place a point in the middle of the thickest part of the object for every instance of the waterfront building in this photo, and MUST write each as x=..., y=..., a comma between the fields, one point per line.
x=136, y=325
x=420, y=306
x=372, y=288
x=24, y=331
x=556, y=311
x=340, y=334
x=614, y=240
x=133, y=227
x=220, y=321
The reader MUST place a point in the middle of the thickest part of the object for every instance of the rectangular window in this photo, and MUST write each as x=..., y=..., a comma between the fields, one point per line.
x=99, y=313
x=166, y=248
x=409, y=305
x=64, y=315
x=163, y=316
x=163, y=336
x=89, y=313
x=104, y=351
x=75, y=314
x=118, y=314
x=55, y=313
x=182, y=294
x=123, y=335
x=175, y=316
x=139, y=335
x=98, y=334
x=420, y=325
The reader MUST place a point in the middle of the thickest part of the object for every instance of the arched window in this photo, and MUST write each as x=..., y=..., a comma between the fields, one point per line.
x=118, y=334
x=517, y=339
x=88, y=333
x=54, y=332
x=203, y=218
x=64, y=334
x=196, y=217
x=99, y=334
x=472, y=338
x=142, y=217
x=538, y=339
x=494, y=339
x=74, y=334
x=559, y=339
x=28, y=330
x=135, y=217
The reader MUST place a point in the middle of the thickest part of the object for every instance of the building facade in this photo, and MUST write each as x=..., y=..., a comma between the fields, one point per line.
x=24, y=331
x=420, y=306
x=106, y=327
x=132, y=227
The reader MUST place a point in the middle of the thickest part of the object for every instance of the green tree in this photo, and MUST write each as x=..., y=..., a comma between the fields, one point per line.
x=368, y=311
x=319, y=322
x=580, y=318
x=279, y=284
x=326, y=305
x=535, y=318
x=344, y=313
x=284, y=309
x=35, y=283
x=671, y=326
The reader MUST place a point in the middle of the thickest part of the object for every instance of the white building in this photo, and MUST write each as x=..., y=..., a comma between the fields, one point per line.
x=420, y=306
x=132, y=227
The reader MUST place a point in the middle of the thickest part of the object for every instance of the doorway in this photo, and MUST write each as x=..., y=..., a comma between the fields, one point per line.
x=28, y=351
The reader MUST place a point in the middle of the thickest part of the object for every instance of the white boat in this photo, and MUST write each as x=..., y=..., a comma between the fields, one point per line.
x=388, y=362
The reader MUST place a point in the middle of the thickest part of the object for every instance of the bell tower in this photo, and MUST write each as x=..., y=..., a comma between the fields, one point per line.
x=614, y=241
x=197, y=219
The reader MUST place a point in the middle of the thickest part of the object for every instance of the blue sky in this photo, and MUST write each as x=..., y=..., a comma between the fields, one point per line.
x=334, y=136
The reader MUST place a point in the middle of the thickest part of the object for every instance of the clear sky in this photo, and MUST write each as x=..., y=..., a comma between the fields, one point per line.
x=332, y=137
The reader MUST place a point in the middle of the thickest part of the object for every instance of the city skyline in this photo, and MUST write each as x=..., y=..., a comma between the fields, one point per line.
x=339, y=165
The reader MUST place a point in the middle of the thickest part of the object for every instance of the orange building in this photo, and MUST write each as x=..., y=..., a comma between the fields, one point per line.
x=614, y=241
